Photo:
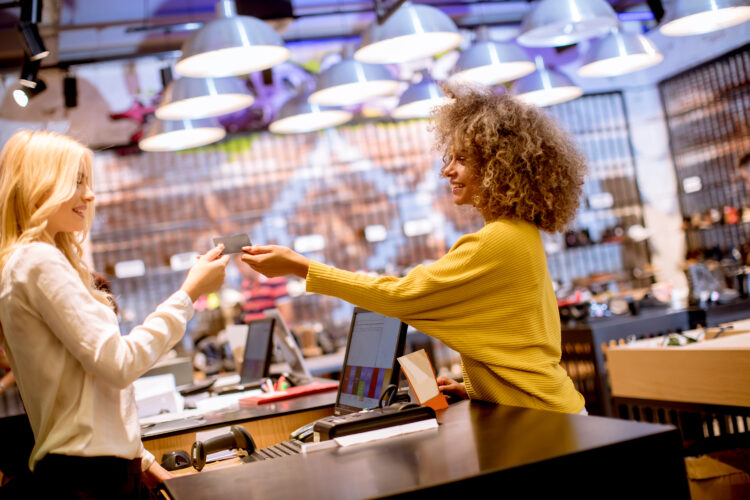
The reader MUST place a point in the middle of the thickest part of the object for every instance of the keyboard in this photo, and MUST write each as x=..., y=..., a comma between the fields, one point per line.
x=283, y=449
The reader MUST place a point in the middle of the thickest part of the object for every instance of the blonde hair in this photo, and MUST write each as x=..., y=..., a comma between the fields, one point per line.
x=526, y=167
x=38, y=173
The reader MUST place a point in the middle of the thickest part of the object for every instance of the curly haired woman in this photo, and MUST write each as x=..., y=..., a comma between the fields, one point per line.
x=490, y=297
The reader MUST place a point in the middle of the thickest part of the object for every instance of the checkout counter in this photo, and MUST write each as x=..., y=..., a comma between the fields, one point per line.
x=477, y=448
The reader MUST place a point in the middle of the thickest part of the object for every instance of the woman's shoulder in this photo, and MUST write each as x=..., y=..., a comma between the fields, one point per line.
x=32, y=254
x=508, y=228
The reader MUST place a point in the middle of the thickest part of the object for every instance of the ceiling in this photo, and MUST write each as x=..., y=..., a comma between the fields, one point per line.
x=86, y=31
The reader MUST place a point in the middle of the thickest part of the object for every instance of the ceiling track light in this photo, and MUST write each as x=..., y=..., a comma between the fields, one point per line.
x=29, y=71
x=31, y=15
x=410, y=32
x=695, y=17
x=619, y=53
x=23, y=94
x=175, y=135
x=231, y=45
x=70, y=91
x=545, y=86
x=192, y=98
x=556, y=23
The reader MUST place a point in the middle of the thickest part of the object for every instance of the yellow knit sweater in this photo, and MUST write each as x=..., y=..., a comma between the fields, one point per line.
x=491, y=299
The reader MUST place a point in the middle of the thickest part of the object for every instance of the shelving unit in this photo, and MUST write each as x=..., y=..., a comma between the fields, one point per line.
x=708, y=116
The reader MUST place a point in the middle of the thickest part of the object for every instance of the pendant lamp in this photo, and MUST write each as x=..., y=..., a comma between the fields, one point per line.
x=554, y=23
x=694, y=17
x=231, y=45
x=174, y=135
x=419, y=99
x=490, y=63
x=411, y=32
x=545, y=87
x=203, y=97
x=350, y=82
x=298, y=115
x=619, y=53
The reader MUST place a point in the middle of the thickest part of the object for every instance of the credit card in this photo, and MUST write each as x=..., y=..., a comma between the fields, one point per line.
x=233, y=243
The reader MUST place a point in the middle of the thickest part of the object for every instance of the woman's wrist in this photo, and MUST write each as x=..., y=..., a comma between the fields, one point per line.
x=303, y=266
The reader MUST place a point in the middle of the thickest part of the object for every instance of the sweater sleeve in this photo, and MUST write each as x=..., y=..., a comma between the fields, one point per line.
x=87, y=328
x=421, y=294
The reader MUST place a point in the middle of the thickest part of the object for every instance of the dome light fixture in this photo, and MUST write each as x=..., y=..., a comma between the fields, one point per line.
x=619, y=53
x=350, y=82
x=231, y=45
x=555, y=23
x=174, y=135
x=190, y=98
x=419, y=99
x=695, y=17
x=298, y=115
x=546, y=87
x=410, y=32
x=490, y=63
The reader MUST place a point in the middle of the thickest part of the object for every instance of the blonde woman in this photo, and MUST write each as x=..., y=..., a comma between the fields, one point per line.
x=73, y=368
x=490, y=297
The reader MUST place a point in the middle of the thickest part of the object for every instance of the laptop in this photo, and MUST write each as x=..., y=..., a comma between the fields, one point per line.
x=256, y=358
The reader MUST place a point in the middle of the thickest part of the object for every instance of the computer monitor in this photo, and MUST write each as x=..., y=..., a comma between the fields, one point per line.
x=287, y=343
x=370, y=363
x=257, y=356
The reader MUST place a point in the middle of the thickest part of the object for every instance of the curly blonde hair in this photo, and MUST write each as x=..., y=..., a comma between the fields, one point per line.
x=526, y=166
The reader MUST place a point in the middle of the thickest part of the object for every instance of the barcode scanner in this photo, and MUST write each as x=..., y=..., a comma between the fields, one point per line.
x=236, y=439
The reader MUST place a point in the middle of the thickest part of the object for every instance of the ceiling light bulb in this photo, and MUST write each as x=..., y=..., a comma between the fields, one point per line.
x=695, y=17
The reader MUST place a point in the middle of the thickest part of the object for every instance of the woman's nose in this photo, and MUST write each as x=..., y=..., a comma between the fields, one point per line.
x=88, y=195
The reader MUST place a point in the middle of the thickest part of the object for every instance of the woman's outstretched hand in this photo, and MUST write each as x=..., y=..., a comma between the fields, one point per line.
x=450, y=386
x=207, y=275
x=275, y=260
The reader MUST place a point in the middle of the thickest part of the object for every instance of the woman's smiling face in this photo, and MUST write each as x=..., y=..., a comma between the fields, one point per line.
x=71, y=216
x=464, y=185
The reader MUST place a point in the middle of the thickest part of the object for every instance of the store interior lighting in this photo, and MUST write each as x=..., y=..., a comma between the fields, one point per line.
x=619, y=53
x=419, y=100
x=231, y=45
x=298, y=115
x=203, y=98
x=545, y=86
x=175, y=135
x=489, y=63
x=695, y=17
x=555, y=23
x=410, y=32
x=31, y=15
x=350, y=82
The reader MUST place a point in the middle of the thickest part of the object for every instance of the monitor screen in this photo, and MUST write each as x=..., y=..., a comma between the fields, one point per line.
x=370, y=365
x=257, y=356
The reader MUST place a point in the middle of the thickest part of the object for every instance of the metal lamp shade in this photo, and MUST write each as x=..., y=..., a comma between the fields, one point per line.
x=546, y=87
x=490, y=63
x=554, y=23
x=411, y=32
x=620, y=53
x=419, y=100
x=181, y=134
x=351, y=82
x=298, y=115
x=694, y=17
x=203, y=98
x=231, y=45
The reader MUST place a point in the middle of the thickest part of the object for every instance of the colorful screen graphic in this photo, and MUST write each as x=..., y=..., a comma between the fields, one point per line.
x=370, y=359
